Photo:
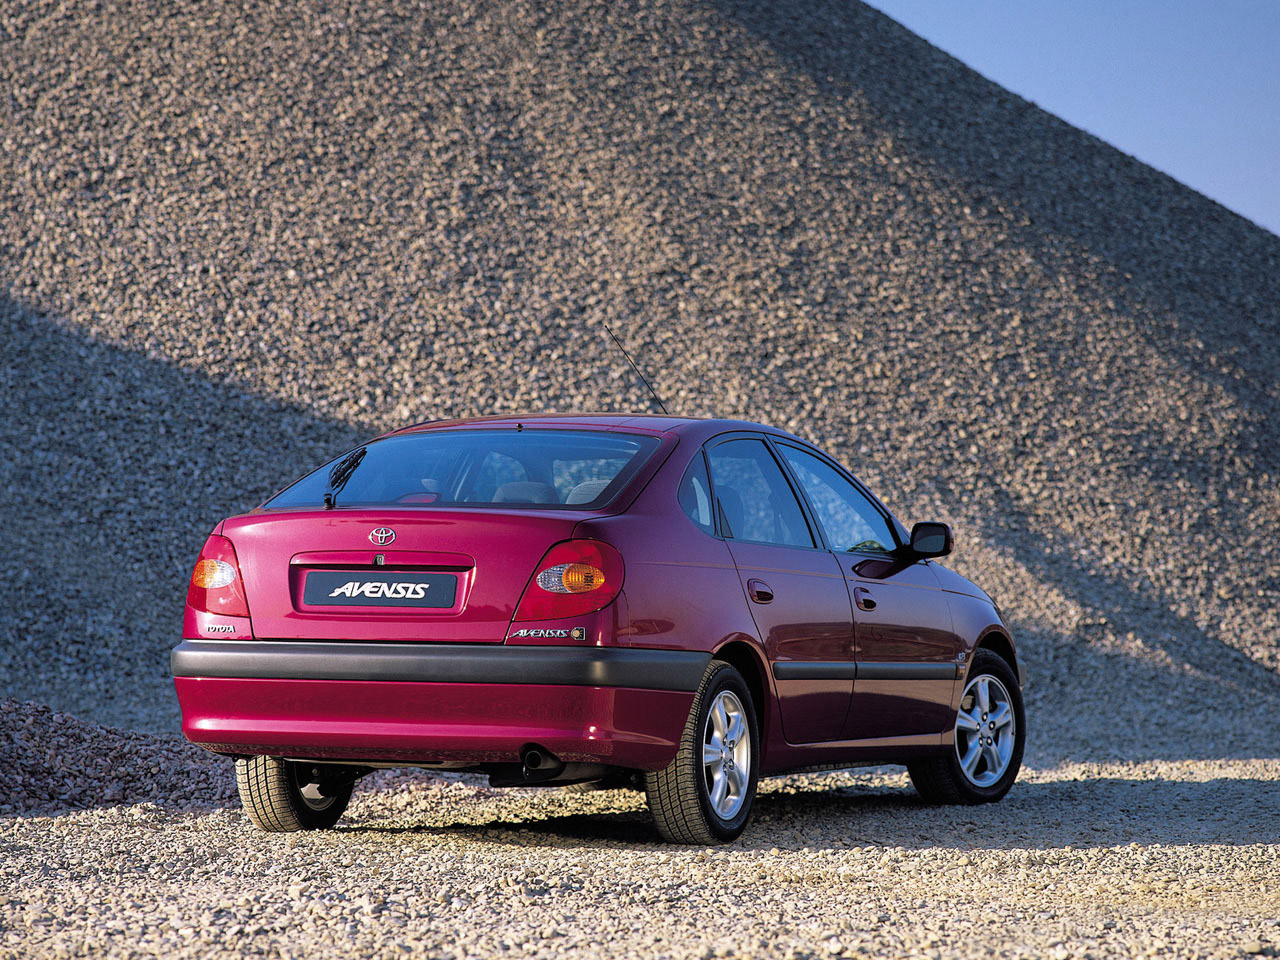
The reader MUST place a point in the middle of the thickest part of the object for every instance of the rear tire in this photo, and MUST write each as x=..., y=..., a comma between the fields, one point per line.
x=704, y=795
x=990, y=734
x=281, y=796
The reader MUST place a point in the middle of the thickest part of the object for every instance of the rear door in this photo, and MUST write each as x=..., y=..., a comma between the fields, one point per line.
x=905, y=647
x=795, y=588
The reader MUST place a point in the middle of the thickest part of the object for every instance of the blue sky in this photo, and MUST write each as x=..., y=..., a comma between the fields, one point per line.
x=1191, y=87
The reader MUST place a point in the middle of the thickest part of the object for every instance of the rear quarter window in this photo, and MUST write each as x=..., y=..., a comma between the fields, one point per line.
x=694, y=495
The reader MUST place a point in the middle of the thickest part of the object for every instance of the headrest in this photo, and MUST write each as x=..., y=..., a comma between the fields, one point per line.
x=586, y=491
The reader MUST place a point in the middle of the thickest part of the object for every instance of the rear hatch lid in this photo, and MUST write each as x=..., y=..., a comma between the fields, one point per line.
x=451, y=575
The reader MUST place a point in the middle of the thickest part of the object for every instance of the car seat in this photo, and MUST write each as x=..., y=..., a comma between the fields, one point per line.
x=525, y=491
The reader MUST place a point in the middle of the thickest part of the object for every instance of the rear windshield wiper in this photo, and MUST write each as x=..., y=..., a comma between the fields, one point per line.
x=340, y=474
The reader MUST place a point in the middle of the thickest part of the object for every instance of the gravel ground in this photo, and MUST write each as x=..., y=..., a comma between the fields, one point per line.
x=1127, y=859
x=236, y=238
x=127, y=844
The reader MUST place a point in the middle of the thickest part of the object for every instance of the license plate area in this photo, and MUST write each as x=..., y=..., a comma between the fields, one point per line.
x=421, y=590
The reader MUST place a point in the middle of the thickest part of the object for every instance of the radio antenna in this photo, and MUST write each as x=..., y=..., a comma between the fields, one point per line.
x=653, y=392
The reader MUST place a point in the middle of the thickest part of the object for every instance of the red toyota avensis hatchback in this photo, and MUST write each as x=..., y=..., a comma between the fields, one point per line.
x=584, y=598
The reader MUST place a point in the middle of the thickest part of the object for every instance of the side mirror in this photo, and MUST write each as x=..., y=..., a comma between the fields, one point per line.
x=931, y=539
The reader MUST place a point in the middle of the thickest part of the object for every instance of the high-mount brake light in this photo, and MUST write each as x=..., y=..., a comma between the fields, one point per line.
x=575, y=577
x=216, y=585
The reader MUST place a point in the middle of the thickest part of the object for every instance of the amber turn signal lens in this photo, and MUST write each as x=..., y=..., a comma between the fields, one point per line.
x=581, y=577
x=571, y=578
x=211, y=574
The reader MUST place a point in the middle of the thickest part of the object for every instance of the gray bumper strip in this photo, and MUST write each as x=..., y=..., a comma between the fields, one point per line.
x=814, y=670
x=439, y=663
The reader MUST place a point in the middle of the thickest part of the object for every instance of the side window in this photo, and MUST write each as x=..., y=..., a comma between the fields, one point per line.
x=756, y=502
x=849, y=519
x=695, y=495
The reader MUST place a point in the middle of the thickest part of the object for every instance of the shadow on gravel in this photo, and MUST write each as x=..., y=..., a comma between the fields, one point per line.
x=1101, y=707
x=619, y=829
x=1101, y=812
x=90, y=617
x=1105, y=812
x=1094, y=706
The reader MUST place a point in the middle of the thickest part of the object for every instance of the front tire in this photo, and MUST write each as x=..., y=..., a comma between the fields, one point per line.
x=704, y=795
x=990, y=734
x=281, y=796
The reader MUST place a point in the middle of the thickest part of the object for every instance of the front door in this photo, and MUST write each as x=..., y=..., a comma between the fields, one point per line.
x=795, y=589
x=905, y=648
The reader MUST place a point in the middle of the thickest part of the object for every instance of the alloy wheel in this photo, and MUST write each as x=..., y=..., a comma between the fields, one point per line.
x=726, y=754
x=986, y=730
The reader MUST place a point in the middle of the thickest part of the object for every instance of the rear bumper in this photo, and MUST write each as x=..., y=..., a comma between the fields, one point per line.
x=410, y=702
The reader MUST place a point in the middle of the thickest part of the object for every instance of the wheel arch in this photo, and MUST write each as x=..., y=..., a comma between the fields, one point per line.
x=747, y=661
x=1002, y=646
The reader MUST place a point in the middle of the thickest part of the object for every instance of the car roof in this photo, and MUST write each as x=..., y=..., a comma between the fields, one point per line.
x=696, y=428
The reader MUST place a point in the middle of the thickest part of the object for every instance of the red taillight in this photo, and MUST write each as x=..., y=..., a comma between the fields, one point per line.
x=216, y=585
x=575, y=577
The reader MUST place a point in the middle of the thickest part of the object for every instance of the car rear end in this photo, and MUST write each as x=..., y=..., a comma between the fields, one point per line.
x=427, y=599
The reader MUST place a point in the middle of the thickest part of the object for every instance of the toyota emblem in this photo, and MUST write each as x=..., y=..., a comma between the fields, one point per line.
x=381, y=536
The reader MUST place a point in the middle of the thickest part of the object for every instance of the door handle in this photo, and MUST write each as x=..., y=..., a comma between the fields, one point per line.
x=863, y=598
x=759, y=591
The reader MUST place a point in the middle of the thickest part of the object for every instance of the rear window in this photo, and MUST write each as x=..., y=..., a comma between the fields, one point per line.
x=543, y=468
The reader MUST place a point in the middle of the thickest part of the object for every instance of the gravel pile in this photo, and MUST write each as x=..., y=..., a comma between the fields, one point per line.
x=235, y=239
x=54, y=763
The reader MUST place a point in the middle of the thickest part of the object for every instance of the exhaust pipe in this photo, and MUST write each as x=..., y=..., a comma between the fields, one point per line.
x=537, y=764
x=540, y=767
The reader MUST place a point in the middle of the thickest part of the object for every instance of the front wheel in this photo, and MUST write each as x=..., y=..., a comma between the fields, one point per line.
x=990, y=733
x=281, y=796
x=704, y=795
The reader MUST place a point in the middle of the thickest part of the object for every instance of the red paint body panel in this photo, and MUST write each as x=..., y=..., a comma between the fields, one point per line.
x=911, y=623
x=599, y=629
x=808, y=620
x=425, y=722
x=200, y=623
x=273, y=549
